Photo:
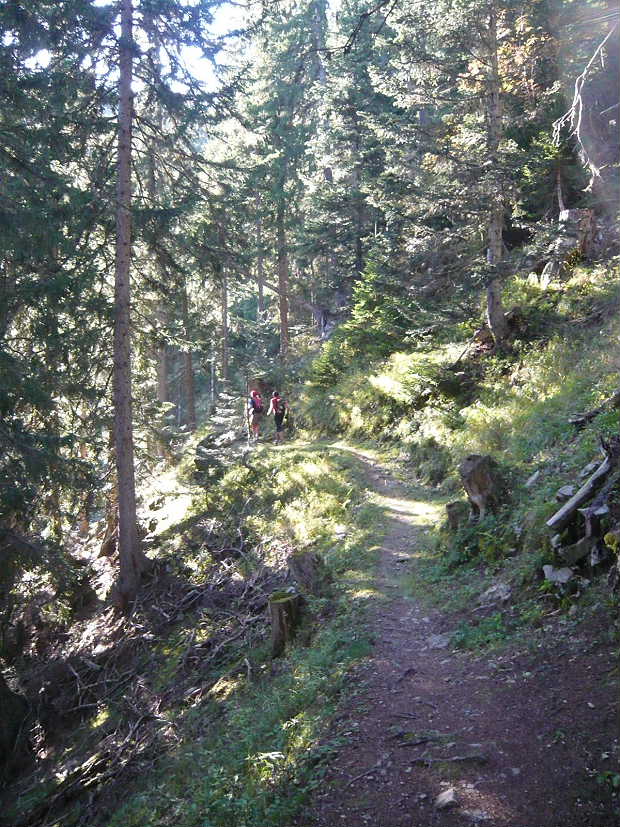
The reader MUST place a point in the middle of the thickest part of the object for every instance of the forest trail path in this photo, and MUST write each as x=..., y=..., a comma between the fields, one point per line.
x=503, y=723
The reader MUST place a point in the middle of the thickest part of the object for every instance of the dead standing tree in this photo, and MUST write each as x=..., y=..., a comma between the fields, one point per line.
x=583, y=113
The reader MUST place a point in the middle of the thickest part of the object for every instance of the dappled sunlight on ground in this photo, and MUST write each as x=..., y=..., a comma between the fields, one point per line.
x=413, y=512
x=362, y=585
x=172, y=498
x=362, y=453
x=478, y=804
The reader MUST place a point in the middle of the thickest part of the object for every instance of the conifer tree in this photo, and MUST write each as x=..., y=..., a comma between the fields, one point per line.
x=132, y=561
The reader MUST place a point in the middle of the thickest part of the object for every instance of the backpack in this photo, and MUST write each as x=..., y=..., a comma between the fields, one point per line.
x=278, y=407
x=255, y=405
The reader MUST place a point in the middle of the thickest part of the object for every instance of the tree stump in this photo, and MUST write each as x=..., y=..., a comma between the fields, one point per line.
x=284, y=611
x=456, y=513
x=481, y=482
x=308, y=569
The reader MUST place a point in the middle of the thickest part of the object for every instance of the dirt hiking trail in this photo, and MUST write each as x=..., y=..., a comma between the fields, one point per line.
x=506, y=740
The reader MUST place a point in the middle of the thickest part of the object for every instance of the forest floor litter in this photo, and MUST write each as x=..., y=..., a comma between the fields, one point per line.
x=437, y=736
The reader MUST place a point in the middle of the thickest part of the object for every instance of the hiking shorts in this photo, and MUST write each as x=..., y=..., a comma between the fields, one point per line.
x=255, y=417
x=279, y=420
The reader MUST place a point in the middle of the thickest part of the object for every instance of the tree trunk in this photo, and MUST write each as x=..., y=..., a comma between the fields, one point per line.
x=160, y=312
x=131, y=559
x=282, y=282
x=495, y=311
x=213, y=382
x=558, y=186
x=496, y=317
x=188, y=366
x=162, y=363
x=260, y=264
x=224, y=324
x=284, y=611
x=317, y=22
x=358, y=201
x=84, y=515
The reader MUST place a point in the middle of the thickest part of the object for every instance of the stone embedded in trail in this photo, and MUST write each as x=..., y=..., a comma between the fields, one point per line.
x=589, y=469
x=226, y=439
x=439, y=641
x=477, y=816
x=497, y=593
x=446, y=799
x=554, y=575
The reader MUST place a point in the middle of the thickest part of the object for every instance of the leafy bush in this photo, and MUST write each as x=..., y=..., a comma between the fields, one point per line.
x=489, y=540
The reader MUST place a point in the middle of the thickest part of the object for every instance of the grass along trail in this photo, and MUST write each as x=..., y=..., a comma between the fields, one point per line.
x=437, y=736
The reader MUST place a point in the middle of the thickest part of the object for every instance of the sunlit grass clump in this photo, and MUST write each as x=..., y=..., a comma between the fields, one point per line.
x=250, y=751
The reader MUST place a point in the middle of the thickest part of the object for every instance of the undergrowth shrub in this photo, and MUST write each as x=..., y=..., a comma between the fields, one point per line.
x=430, y=460
x=488, y=540
x=488, y=631
x=249, y=751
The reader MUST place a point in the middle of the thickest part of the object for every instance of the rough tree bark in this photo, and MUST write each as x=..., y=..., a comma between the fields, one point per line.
x=160, y=311
x=495, y=311
x=132, y=562
x=188, y=366
x=162, y=360
x=282, y=282
x=224, y=310
x=358, y=199
x=260, y=264
x=284, y=611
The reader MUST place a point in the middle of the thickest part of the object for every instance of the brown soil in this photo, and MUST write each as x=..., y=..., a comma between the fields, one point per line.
x=534, y=726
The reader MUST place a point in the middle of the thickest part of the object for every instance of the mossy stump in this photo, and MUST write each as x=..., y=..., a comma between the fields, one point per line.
x=482, y=483
x=285, y=613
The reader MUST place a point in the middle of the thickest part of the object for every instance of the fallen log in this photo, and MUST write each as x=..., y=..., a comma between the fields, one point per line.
x=580, y=420
x=564, y=515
